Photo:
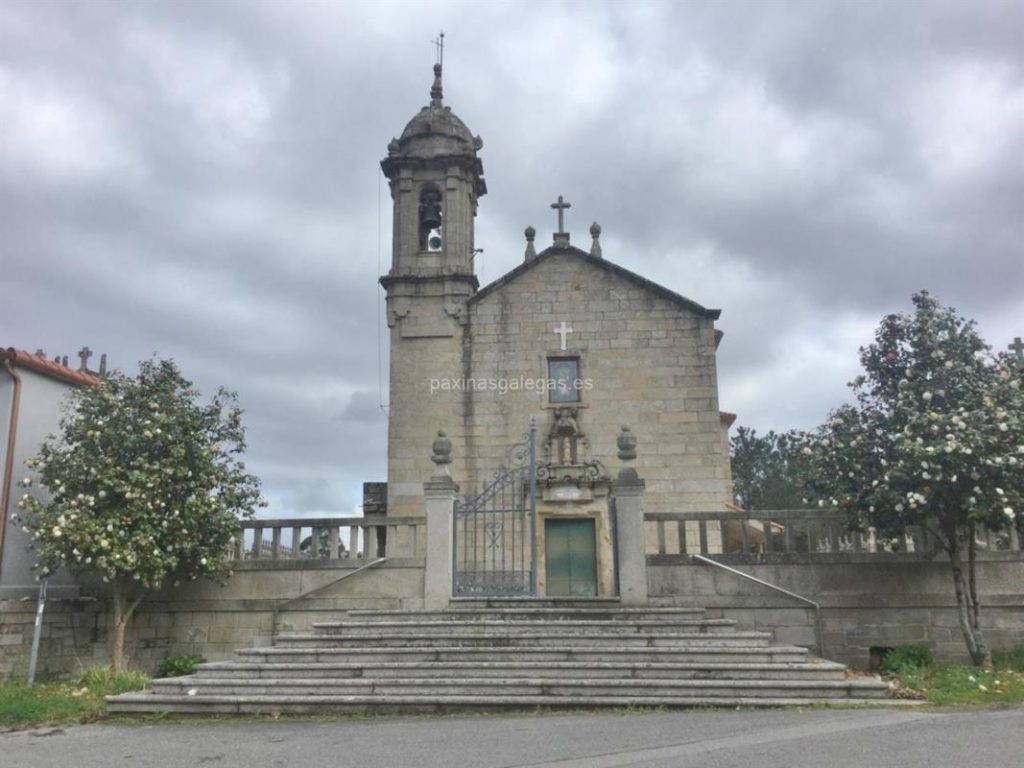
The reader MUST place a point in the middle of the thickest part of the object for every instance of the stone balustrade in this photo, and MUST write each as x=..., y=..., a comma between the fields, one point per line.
x=796, y=533
x=331, y=538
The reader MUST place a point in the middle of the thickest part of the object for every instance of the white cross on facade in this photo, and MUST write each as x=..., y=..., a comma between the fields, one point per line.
x=563, y=330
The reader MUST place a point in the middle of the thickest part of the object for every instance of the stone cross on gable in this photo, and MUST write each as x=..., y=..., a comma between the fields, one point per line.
x=1018, y=350
x=84, y=354
x=561, y=205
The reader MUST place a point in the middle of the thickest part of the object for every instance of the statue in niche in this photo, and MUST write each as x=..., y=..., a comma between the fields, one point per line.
x=565, y=437
x=430, y=213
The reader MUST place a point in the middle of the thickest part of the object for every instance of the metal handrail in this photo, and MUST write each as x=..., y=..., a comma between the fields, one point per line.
x=818, y=633
x=285, y=603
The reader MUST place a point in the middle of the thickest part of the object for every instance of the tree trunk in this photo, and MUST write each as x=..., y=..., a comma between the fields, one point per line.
x=123, y=610
x=965, y=605
x=974, y=602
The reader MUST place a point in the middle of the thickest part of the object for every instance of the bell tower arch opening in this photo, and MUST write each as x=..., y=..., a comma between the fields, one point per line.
x=431, y=217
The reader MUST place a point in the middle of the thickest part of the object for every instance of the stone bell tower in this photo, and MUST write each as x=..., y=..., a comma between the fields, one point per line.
x=436, y=179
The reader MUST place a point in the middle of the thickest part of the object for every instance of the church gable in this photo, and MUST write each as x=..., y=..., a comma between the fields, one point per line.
x=644, y=355
x=599, y=263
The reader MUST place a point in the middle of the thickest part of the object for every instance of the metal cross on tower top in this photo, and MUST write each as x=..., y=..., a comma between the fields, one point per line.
x=439, y=43
x=561, y=205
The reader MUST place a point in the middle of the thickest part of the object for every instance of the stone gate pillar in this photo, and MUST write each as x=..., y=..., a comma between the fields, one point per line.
x=631, y=538
x=440, y=493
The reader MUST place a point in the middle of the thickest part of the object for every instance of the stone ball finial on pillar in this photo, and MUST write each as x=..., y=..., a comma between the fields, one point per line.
x=531, y=234
x=626, y=443
x=441, y=450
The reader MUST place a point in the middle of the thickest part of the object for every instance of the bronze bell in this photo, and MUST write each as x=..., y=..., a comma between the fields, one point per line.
x=431, y=219
x=430, y=210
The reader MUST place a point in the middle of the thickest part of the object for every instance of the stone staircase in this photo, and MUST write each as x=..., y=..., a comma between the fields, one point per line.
x=510, y=654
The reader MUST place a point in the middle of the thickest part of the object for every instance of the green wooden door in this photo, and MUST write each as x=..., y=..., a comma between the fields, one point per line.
x=570, y=555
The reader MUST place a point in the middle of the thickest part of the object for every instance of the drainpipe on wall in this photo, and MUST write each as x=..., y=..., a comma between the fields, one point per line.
x=12, y=435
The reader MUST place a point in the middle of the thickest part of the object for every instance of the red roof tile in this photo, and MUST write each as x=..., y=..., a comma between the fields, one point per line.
x=22, y=359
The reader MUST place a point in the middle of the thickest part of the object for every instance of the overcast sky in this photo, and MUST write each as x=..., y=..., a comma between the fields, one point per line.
x=201, y=180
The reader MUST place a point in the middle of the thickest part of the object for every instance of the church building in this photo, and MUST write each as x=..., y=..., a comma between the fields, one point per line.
x=539, y=381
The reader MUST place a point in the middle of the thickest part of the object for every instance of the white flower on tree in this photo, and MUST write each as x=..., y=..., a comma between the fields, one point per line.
x=100, y=463
x=946, y=410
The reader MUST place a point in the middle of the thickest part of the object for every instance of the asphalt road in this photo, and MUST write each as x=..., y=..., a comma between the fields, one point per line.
x=828, y=738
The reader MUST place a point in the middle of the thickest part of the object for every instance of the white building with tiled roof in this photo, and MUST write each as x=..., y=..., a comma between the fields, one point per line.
x=32, y=390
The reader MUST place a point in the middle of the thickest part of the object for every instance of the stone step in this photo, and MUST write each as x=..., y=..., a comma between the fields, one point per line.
x=581, y=653
x=525, y=612
x=510, y=654
x=555, y=603
x=626, y=689
x=817, y=670
x=149, y=702
x=479, y=626
x=504, y=638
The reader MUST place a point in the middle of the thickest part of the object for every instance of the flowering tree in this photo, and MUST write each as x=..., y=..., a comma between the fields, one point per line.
x=762, y=475
x=936, y=439
x=145, y=487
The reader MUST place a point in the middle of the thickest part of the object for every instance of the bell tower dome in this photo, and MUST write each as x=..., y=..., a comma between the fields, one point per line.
x=436, y=180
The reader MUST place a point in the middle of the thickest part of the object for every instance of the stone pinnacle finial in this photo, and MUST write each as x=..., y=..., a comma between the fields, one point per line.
x=436, y=93
x=442, y=449
x=531, y=252
x=595, y=232
x=626, y=443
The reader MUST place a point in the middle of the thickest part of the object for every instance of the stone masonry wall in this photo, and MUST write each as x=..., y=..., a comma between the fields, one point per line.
x=206, y=619
x=864, y=604
x=72, y=637
x=651, y=361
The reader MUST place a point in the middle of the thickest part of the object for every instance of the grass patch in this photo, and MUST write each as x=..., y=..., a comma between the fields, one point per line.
x=1011, y=659
x=954, y=686
x=177, y=666
x=62, y=703
x=949, y=685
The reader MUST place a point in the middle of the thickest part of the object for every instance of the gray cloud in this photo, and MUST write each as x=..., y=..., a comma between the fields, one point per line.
x=201, y=180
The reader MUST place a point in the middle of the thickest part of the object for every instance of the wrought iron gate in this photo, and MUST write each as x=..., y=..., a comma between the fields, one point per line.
x=495, y=547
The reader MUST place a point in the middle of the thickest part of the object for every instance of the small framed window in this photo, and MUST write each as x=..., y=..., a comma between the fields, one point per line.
x=564, y=382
